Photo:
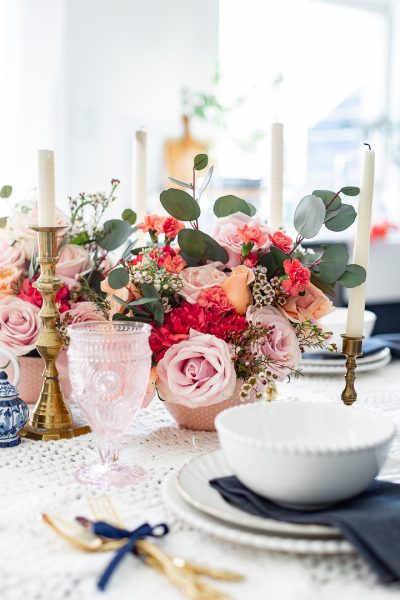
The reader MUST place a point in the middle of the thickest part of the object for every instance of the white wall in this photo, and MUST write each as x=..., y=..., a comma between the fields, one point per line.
x=80, y=76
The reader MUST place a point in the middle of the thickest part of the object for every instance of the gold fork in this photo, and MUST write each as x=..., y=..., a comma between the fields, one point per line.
x=180, y=572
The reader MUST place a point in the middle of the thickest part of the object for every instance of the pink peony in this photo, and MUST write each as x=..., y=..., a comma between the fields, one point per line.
x=73, y=261
x=281, y=346
x=83, y=311
x=298, y=277
x=197, y=372
x=196, y=279
x=313, y=305
x=20, y=325
x=12, y=253
x=226, y=234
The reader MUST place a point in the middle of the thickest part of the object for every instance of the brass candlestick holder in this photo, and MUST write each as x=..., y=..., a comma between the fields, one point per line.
x=51, y=418
x=352, y=348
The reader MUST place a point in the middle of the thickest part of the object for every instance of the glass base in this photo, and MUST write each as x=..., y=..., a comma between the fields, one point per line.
x=111, y=475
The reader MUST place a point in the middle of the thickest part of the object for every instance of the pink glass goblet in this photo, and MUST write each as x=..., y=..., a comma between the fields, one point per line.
x=109, y=368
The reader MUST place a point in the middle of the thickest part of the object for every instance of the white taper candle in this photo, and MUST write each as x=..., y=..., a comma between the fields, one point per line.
x=355, y=313
x=46, y=189
x=275, y=216
x=140, y=174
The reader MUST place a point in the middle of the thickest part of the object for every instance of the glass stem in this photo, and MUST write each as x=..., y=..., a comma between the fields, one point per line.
x=109, y=453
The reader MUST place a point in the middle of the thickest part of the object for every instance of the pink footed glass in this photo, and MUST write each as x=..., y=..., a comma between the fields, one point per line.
x=109, y=368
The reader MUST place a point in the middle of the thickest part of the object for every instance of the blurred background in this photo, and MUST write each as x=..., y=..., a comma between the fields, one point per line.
x=81, y=76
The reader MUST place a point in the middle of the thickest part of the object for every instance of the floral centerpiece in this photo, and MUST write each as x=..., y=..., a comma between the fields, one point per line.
x=231, y=312
x=84, y=263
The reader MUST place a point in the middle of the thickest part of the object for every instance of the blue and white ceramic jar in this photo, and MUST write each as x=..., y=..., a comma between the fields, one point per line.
x=14, y=412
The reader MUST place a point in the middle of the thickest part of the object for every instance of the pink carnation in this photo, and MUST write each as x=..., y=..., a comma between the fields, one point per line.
x=298, y=277
x=214, y=296
x=226, y=234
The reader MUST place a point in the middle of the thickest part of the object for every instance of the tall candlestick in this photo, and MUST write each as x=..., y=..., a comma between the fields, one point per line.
x=139, y=187
x=355, y=313
x=47, y=192
x=275, y=218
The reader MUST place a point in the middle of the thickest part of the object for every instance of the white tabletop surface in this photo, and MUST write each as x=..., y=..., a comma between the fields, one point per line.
x=39, y=477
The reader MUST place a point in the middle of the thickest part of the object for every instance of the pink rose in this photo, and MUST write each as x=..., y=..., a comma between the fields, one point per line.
x=20, y=222
x=313, y=305
x=197, y=372
x=196, y=279
x=83, y=311
x=20, y=325
x=226, y=234
x=73, y=261
x=281, y=346
x=11, y=252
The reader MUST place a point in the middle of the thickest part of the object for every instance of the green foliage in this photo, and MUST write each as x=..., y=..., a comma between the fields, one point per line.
x=196, y=243
x=322, y=285
x=327, y=197
x=350, y=190
x=6, y=191
x=340, y=219
x=333, y=262
x=228, y=205
x=309, y=216
x=181, y=183
x=180, y=204
x=115, y=233
x=353, y=276
x=80, y=239
x=146, y=309
x=129, y=216
x=200, y=162
x=118, y=278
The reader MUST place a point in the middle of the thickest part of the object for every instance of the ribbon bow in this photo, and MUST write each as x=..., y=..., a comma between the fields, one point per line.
x=110, y=531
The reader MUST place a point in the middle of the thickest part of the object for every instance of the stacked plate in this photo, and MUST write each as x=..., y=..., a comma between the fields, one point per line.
x=327, y=364
x=191, y=498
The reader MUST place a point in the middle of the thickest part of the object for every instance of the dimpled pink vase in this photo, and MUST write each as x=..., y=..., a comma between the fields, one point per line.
x=202, y=419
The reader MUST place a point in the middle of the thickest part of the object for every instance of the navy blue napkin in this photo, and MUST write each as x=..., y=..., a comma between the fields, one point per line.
x=370, y=346
x=370, y=521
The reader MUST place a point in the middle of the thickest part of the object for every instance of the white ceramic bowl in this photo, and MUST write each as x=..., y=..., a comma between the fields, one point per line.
x=304, y=455
x=336, y=322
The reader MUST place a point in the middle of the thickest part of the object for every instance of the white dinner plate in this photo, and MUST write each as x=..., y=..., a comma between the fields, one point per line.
x=341, y=360
x=193, y=485
x=246, y=537
x=321, y=367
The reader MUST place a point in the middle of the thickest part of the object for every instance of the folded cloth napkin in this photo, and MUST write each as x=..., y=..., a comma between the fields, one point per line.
x=370, y=346
x=370, y=521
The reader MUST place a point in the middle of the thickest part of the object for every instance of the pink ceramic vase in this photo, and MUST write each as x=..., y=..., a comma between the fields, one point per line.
x=202, y=419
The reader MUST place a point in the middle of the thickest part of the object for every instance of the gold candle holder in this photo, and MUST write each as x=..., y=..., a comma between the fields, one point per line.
x=51, y=418
x=352, y=348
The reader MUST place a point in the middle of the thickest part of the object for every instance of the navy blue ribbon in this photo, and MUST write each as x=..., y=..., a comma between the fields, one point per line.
x=110, y=531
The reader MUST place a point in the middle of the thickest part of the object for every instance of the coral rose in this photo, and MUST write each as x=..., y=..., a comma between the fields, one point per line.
x=73, y=261
x=8, y=276
x=282, y=241
x=81, y=312
x=298, y=277
x=313, y=305
x=281, y=345
x=197, y=372
x=20, y=325
x=11, y=252
x=226, y=234
x=237, y=290
x=196, y=279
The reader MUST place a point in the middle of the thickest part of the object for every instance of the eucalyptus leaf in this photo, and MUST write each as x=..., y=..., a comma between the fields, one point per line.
x=353, y=276
x=327, y=196
x=6, y=191
x=118, y=278
x=322, y=285
x=252, y=209
x=350, y=190
x=267, y=260
x=191, y=261
x=129, y=215
x=181, y=183
x=278, y=255
x=340, y=219
x=228, y=205
x=206, y=180
x=129, y=250
x=141, y=302
x=333, y=262
x=115, y=233
x=158, y=313
x=196, y=243
x=200, y=162
x=180, y=204
x=149, y=291
x=309, y=216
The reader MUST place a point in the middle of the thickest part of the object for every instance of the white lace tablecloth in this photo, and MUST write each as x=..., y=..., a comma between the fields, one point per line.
x=38, y=477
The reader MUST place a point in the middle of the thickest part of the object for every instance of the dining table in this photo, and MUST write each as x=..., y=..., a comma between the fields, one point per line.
x=39, y=477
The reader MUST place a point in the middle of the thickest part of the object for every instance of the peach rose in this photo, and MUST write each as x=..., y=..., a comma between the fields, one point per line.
x=11, y=252
x=236, y=288
x=313, y=305
x=20, y=325
x=73, y=261
x=196, y=279
x=7, y=277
